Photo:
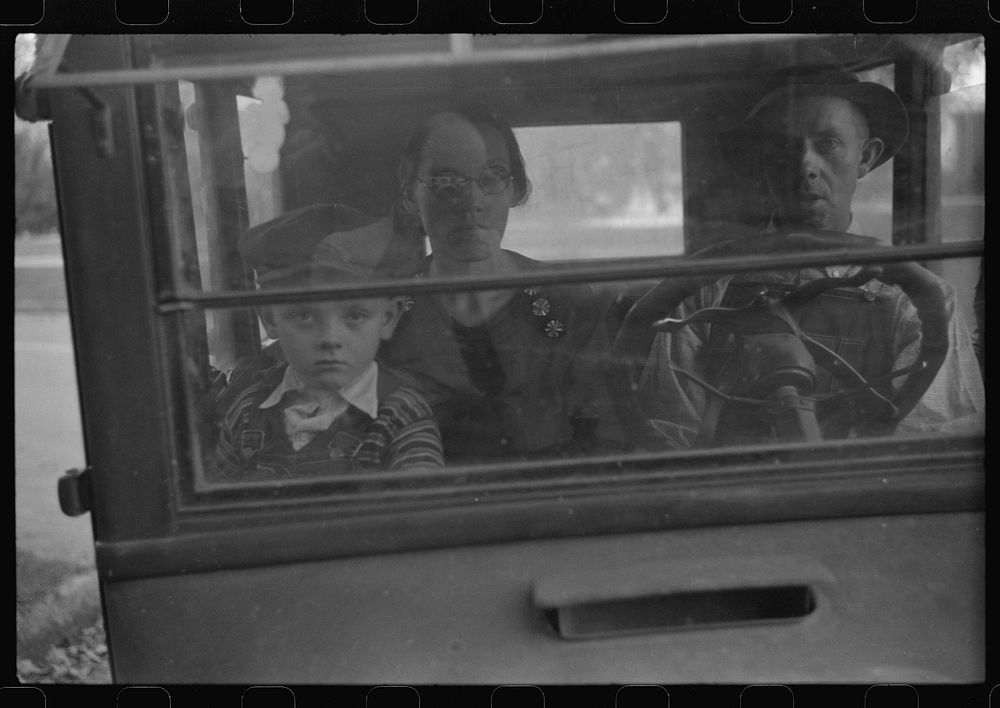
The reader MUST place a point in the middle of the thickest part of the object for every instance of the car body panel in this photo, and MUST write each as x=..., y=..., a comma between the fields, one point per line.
x=465, y=580
x=898, y=598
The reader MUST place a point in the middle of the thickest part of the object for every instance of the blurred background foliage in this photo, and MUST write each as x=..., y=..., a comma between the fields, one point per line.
x=34, y=189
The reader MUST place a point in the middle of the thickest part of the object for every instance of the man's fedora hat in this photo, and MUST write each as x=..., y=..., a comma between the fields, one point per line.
x=886, y=114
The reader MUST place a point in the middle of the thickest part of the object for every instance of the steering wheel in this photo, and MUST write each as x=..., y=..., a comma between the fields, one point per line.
x=795, y=352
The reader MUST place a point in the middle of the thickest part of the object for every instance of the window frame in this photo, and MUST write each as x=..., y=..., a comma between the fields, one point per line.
x=177, y=536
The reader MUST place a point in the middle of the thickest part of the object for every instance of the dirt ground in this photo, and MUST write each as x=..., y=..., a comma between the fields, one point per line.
x=60, y=638
x=79, y=658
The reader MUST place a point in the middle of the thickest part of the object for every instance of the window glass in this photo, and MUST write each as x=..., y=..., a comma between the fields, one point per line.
x=601, y=191
x=873, y=198
x=262, y=117
x=963, y=163
x=311, y=182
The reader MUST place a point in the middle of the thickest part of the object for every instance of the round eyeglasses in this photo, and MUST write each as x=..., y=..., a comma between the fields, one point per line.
x=492, y=180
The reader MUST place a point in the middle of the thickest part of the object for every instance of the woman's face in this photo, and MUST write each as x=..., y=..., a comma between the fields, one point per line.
x=466, y=223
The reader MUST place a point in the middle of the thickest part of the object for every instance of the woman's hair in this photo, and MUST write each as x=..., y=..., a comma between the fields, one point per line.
x=477, y=114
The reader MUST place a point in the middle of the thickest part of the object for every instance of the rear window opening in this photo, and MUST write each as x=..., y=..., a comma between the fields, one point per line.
x=600, y=191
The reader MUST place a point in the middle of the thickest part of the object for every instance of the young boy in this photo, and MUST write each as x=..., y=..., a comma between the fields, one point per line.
x=328, y=408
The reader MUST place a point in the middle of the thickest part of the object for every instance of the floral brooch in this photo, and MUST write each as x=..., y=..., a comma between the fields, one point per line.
x=543, y=309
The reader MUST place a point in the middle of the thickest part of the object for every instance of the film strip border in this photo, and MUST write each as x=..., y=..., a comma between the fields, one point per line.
x=504, y=16
x=508, y=696
x=498, y=15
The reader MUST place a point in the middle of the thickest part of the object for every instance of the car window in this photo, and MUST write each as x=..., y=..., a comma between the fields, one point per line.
x=873, y=199
x=628, y=175
x=601, y=191
x=963, y=163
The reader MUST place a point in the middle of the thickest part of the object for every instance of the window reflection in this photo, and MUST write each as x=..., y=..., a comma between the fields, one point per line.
x=552, y=370
x=963, y=165
x=601, y=191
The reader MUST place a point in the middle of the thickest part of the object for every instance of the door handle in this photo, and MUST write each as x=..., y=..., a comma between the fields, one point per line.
x=681, y=595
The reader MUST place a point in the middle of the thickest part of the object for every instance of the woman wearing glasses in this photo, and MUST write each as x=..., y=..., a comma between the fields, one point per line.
x=514, y=372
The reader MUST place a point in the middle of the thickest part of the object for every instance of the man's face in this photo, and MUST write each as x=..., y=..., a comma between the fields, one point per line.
x=814, y=151
x=330, y=344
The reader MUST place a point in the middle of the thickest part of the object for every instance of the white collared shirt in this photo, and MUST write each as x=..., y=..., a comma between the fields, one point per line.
x=310, y=411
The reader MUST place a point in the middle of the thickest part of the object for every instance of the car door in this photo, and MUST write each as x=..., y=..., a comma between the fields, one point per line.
x=855, y=561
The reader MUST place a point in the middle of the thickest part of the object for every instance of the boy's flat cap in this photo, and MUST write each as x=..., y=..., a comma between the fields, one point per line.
x=362, y=253
x=290, y=240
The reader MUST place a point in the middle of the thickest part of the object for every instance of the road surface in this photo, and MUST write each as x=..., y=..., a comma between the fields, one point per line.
x=47, y=438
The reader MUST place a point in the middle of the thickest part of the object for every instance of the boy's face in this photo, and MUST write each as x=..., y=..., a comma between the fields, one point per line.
x=330, y=344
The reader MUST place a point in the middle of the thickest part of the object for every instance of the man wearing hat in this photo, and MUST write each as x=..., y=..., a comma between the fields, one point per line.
x=813, y=135
x=323, y=406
